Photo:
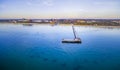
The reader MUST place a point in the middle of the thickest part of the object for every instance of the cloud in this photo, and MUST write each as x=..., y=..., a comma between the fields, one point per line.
x=33, y=2
x=29, y=3
x=40, y=2
x=106, y=3
x=48, y=2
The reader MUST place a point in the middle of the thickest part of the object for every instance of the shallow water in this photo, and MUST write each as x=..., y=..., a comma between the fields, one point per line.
x=39, y=47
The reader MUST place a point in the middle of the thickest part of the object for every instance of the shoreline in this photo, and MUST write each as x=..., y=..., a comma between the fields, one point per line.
x=63, y=24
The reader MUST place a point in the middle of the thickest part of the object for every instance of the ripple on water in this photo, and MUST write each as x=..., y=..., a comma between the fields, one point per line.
x=95, y=62
x=35, y=56
x=54, y=60
x=78, y=67
x=63, y=64
x=85, y=61
x=45, y=59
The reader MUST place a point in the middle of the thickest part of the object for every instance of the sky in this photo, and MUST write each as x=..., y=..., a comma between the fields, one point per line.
x=60, y=9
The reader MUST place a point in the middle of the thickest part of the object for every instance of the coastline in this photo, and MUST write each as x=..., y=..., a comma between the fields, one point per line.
x=102, y=26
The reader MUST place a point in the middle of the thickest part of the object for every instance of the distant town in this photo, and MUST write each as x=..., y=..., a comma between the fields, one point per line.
x=95, y=22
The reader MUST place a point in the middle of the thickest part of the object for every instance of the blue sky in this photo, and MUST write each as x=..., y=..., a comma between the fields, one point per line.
x=59, y=9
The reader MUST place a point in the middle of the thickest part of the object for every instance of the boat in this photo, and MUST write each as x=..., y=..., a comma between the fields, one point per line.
x=75, y=40
x=27, y=24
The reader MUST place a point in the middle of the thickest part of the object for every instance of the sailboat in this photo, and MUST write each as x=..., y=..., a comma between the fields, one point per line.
x=75, y=40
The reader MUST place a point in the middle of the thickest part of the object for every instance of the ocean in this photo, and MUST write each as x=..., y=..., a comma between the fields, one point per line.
x=39, y=47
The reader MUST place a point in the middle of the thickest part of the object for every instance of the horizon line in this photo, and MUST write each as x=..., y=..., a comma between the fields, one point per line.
x=59, y=18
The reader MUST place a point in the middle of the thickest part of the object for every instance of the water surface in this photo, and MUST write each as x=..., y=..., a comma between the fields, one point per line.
x=39, y=47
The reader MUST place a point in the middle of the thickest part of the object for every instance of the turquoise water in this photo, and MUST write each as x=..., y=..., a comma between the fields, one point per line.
x=39, y=47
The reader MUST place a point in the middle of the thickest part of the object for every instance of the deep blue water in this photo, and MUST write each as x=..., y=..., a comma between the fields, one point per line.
x=39, y=47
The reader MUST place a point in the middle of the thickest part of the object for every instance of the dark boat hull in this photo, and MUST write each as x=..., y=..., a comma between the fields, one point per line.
x=71, y=41
x=27, y=24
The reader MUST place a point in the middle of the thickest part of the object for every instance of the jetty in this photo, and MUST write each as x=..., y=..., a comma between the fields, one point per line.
x=75, y=40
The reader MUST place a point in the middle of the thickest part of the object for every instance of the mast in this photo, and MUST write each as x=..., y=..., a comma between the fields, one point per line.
x=74, y=32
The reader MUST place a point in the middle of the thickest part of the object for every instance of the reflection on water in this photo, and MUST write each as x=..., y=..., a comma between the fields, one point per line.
x=39, y=47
